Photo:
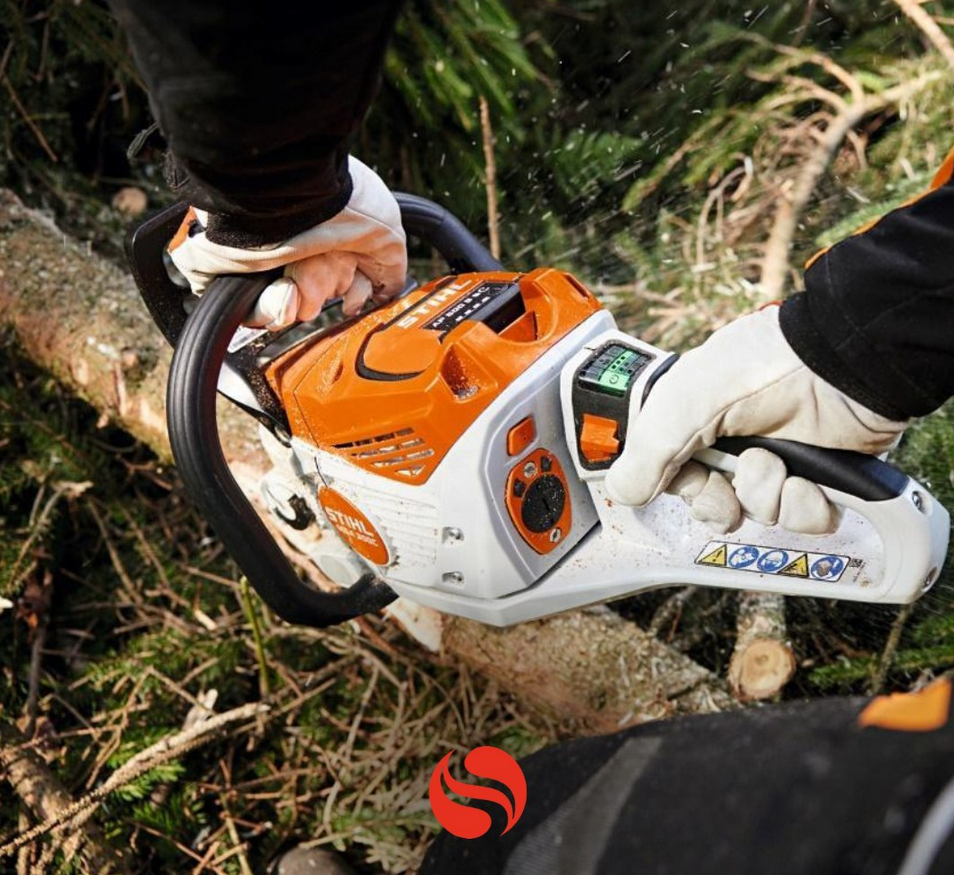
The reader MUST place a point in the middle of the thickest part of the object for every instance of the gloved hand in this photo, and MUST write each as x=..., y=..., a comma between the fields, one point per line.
x=357, y=254
x=744, y=380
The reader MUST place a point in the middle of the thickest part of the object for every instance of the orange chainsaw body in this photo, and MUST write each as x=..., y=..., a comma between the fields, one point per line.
x=394, y=390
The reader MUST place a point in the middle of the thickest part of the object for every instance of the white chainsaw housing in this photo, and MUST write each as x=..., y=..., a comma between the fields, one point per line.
x=453, y=546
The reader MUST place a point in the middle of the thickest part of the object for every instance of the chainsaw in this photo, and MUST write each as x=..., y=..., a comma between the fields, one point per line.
x=452, y=445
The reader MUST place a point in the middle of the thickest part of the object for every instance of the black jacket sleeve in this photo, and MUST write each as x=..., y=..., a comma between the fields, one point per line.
x=877, y=316
x=258, y=103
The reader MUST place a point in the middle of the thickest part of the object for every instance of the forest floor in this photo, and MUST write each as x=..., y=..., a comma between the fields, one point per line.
x=131, y=624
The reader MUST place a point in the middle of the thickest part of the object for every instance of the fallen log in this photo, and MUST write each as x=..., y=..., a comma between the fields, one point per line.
x=550, y=664
x=80, y=317
x=762, y=662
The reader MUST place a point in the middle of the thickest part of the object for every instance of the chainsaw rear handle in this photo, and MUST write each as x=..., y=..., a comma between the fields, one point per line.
x=859, y=474
x=201, y=343
x=866, y=477
x=891, y=540
x=911, y=525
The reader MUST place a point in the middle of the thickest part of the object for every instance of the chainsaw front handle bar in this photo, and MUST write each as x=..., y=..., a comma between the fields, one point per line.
x=146, y=245
x=201, y=344
x=440, y=228
x=197, y=449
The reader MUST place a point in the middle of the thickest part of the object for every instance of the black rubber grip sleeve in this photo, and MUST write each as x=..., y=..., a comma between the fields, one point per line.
x=858, y=474
x=440, y=228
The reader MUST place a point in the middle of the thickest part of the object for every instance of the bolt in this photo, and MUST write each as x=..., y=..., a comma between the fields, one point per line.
x=917, y=500
x=452, y=534
x=454, y=578
x=555, y=535
x=529, y=470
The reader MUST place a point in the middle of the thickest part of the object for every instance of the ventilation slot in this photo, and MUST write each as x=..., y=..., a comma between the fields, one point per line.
x=522, y=330
x=399, y=452
x=573, y=281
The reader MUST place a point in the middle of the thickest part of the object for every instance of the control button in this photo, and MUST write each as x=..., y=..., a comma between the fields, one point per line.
x=543, y=506
x=521, y=436
x=539, y=504
x=613, y=370
x=598, y=441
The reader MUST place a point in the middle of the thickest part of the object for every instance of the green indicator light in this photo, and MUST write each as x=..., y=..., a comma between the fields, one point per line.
x=614, y=378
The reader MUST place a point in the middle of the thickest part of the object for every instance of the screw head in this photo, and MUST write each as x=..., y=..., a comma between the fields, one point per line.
x=453, y=534
x=555, y=534
x=529, y=470
x=917, y=500
x=455, y=578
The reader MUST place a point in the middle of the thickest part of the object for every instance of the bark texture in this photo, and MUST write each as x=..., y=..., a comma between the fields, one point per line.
x=590, y=670
x=41, y=791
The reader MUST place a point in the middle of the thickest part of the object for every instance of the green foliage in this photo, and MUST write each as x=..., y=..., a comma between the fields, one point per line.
x=141, y=787
x=424, y=132
x=181, y=810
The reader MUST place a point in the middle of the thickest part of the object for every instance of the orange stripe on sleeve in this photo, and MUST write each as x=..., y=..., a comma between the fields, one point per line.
x=923, y=711
x=942, y=177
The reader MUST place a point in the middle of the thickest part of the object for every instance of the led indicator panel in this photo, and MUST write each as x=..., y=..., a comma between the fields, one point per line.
x=613, y=370
x=478, y=304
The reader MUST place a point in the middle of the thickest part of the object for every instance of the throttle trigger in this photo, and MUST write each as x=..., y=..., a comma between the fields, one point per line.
x=598, y=438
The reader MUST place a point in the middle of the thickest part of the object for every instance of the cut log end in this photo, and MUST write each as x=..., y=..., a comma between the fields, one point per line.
x=762, y=662
x=761, y=670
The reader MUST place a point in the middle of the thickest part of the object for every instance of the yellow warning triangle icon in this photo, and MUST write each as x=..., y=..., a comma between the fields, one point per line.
x=798, y=568
x=716, y=557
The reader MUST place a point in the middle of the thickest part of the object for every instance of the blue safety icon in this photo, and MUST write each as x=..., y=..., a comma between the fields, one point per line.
x=828, y=567
x=743, y=557
x=773, y=561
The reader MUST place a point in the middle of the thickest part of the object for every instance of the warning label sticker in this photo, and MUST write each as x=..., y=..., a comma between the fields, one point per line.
x=827, y=567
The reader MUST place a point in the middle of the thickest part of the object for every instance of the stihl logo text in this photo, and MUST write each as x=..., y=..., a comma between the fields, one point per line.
x=339, y=518
x=435, y=302
x=354, y=527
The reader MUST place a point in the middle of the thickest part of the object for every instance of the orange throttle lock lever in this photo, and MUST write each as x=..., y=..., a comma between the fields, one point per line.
x=599, y=438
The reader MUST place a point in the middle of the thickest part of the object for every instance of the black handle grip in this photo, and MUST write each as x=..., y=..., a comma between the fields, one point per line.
x=145, y=253
x=440, y=228
x=866, y=477
x=193, y=432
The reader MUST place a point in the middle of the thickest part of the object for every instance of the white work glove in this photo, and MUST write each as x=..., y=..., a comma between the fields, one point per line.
x=359, y=253
x=744, y=380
